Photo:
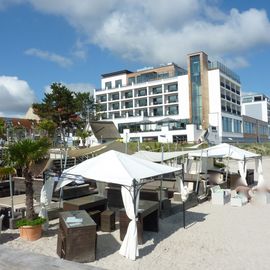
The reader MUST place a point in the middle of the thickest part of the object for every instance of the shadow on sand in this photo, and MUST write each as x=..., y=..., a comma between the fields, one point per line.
x=6, y=237
x=168, y=226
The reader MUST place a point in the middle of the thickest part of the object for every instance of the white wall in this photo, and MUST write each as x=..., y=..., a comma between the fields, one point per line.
x=183, y=97
x=214, y=100
x=122, y=77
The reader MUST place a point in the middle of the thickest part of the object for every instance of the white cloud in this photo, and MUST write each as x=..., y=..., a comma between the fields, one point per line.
x=6, y=3
x=75, y=87
x=163, y=32
x=52, y=57
x=16, y=96
x=237, y=62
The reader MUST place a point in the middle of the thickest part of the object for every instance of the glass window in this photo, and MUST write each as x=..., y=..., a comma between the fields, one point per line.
x=131, y=80
x=129, y=104
x=142, y=92
x=227, y=124
x=158, y=111
x=103, y=107
x=115, y=96
x=172, y=110
x=172, y=99
x=157, y=100
x=172, y=87
x=157, y=90
x=142, y=102
x=128, y=94
x=115, y=106
x=108, y=85
x=103, y=98
x=118, y=83
x=196, y=89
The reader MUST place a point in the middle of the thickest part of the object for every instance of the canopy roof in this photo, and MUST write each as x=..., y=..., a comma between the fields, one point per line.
x=157, y=156
x=115, y=167
x=224, y=150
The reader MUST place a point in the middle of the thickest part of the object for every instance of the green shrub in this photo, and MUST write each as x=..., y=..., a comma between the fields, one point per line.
x=27, y=222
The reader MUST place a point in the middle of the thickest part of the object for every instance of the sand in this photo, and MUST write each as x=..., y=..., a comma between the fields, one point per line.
x=216, y=237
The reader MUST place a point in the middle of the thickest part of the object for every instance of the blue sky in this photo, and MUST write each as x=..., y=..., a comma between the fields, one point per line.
x=74, y=42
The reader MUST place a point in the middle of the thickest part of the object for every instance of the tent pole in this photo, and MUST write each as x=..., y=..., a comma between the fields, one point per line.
x=161, y=181
x=227, y=169
x=198, y=174
x=184, y=215
x=11, y=196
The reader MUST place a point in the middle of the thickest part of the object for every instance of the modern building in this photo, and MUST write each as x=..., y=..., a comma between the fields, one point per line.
x=256, y=106
x=169, y=104
x=255, y=130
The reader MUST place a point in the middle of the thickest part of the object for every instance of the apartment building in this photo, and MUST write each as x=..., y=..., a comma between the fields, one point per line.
x=171, y=104
x=257, y=106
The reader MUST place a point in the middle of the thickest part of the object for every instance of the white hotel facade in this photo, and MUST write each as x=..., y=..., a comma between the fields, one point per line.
x=170, y=104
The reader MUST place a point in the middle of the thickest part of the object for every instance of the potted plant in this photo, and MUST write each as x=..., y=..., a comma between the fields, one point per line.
x=30, y=229
x=23, y=154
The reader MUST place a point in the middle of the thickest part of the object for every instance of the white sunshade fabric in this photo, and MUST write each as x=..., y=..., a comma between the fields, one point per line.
x=123, y=169
x=224, y=150
x=114, y=167
x=158, y=156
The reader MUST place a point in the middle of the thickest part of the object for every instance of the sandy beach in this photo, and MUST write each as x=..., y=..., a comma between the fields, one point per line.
x=216, y=237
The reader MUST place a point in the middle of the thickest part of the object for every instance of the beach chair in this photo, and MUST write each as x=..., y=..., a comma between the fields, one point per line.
x=1, y=220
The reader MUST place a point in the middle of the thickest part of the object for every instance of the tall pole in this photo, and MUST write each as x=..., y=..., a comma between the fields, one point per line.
x=160, y=194
x=11, y=195
x=126, y=144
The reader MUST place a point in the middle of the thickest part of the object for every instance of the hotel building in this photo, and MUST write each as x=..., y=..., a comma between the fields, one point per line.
x=256, y=106
x=169, y=104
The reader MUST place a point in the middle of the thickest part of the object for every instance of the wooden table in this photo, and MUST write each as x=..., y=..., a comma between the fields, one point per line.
x=76, y=240
x=148, y=219
x=88, y=203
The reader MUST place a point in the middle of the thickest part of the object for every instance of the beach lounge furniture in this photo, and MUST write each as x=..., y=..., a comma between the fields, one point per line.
x=220, y=196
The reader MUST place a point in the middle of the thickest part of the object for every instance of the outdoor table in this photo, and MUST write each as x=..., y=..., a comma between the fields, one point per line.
x=148, y=219
x=88, y=203
x=76, y=236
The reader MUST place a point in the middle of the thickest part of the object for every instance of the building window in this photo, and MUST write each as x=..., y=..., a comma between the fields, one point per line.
x=108, y=85
x=172, y=87
x=158, y=111
x=128, y=104
x=172, y=110
x=115, y=106
x=163, y=75
x=236, y=126
x=131, y=80
x=102, y=98
x=172, y=99
x=142, y=92
x=157, y=100
x=227, y=124
x=196, y=89
x=128, y=94
x=157, y=90
x=142, y=102
x=249, y=128
x=115, y=96
x=118, y=83
x=103, y=107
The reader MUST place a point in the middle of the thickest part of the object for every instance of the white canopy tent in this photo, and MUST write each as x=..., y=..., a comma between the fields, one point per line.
x=158, y=156
x=130, y=172
x=228, y=151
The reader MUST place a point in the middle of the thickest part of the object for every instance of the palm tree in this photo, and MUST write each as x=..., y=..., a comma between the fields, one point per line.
x=22, y=154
